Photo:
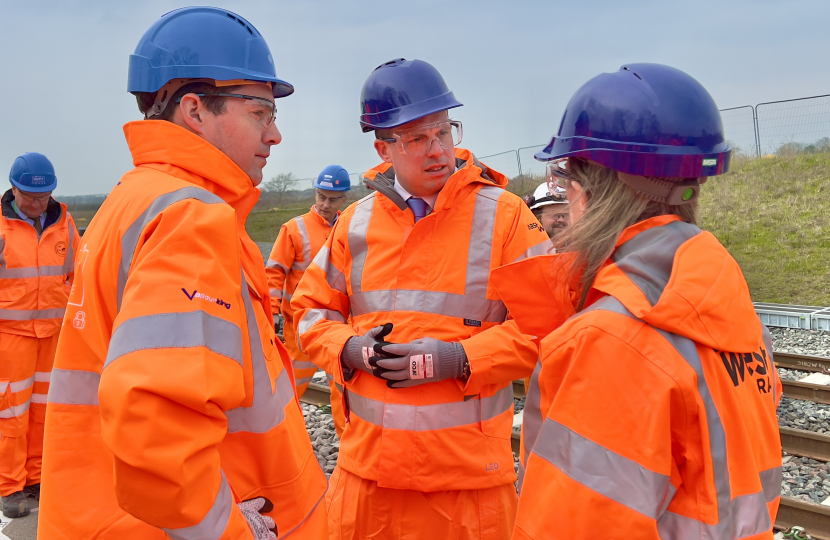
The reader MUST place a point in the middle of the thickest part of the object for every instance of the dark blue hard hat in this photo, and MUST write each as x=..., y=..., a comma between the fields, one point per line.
x=401, y=91
x=645, y=120
x=33, y=173
x=202, y=43
x=333, y=178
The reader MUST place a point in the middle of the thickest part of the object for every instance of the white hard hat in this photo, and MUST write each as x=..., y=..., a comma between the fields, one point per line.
x=543, y=197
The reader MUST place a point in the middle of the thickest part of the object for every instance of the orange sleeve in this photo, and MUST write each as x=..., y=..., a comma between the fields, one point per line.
x=602, y=464
x=321, y=306
x=502, y=353
x=75, y=243
x=174, y=366
x=278, y=265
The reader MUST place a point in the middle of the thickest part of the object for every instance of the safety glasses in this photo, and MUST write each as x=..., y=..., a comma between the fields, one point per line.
x=418, y=141
x=42, y=199
x=558, y=175
x=263, y=109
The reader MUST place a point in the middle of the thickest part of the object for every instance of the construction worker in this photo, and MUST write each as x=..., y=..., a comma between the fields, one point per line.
x=172, y=411
x=38, y=239
x=550, y=206
x=652, y=413
x=427, y=451
x=297, y=244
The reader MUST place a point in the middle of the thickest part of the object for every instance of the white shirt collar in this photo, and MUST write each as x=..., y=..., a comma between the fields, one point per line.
x=430, y=199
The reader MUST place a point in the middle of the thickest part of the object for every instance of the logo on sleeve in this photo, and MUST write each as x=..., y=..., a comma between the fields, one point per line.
x=201, y=296
x=742, y=366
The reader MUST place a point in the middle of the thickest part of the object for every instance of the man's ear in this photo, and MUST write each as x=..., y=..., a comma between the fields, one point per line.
x=383, y=150
x=191, y=114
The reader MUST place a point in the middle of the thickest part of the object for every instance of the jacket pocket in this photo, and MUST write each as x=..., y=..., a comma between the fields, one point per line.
x=12, y=294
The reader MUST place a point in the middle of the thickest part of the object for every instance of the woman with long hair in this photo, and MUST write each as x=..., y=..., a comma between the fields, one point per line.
x=652, y=411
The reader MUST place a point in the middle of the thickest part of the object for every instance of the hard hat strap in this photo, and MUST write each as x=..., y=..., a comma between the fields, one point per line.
x=663, y=191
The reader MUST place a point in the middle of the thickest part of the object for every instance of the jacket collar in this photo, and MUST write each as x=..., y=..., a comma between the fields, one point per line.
x=167, y=147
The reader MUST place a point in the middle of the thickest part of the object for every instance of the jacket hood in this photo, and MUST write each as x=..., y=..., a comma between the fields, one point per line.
x=666, y=272
x=682, y=280
x=469, y=171
x=172, y=149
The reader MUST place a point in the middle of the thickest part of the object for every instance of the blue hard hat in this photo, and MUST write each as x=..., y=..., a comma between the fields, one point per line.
x=33, y=173
x=401, y=91
x=645, y=120
x=333, y=178
x=202, y=43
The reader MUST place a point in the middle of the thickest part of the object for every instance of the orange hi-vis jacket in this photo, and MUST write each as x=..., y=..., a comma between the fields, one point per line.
x=35, y=273
x=171, y=398
x=430, y=279
x=652, y=414
x=298, y=242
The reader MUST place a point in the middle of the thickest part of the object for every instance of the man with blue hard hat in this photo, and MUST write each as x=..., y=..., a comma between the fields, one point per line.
x=398, y=307
x=172, y=412
x=38, y=239
x=297, y=244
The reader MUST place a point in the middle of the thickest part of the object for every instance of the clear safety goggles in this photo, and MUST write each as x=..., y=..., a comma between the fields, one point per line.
x=558, y=175
x=263, y=109
x=418, y=141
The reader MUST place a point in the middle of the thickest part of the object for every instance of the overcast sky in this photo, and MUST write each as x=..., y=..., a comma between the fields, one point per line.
x=514, y=65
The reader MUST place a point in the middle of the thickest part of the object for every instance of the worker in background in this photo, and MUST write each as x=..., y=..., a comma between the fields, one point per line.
x=297, y=244
x=38, y=239
x=428, y=357
x=652, y=413
x=172, y=411
x=550, y=206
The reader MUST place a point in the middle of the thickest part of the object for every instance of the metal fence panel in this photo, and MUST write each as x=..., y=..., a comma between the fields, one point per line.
x=739, y=127
x=506, y=163
x=528, y=163
x=794, y=125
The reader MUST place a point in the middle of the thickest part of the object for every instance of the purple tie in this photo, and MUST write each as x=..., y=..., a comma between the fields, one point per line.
x=418, y=206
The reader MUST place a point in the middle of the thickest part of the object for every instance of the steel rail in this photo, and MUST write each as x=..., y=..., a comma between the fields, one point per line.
x=801, y=362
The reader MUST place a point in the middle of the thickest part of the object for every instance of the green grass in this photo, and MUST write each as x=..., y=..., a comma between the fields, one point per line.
x=772, y=215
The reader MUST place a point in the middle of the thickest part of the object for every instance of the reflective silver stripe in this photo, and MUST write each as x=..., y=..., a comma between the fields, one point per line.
x=129, y=241
x=17, y=386
x=745, y=515
x=771, y=483
x=176, y=330
x=429, y=417
x=69, y=259
x=273, y=265
x=533, y=417
x=469, y=306
x=358, y=247
x=38, y=398
x=647, y=258
x=545, y=247
x=603, y=471
x=275, y=293
x=15, y=410
x=214, y=523
x=301, y=266
x=288, y=297
x=43, y=376
x=32, y=272
x=303, y=364
x=480, y=248
x=267, y=409
x=74, y=387
x=314, y=315
x=334, y=277
x=31, y=314
x=302, y=381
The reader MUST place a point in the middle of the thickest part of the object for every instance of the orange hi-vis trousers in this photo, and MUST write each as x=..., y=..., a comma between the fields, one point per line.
x=25, y=367
x=359, y=509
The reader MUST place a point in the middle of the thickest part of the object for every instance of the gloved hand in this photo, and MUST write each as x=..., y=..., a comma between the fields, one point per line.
x=359, y=349
x=262, y=526
x=420, y=361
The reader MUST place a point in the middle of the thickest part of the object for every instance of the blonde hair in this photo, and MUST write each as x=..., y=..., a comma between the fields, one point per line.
x=611, y=207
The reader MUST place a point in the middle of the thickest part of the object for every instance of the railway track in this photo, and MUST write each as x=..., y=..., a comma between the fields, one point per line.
x=815, y=518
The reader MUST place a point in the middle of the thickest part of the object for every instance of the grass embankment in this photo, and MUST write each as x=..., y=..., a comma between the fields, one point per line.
x=772, y=215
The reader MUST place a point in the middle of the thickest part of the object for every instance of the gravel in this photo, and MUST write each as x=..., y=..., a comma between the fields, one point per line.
x=805, y=479
x=324, y=440
x=795, y=341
